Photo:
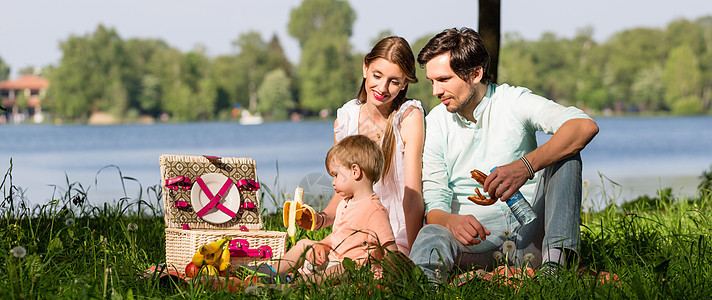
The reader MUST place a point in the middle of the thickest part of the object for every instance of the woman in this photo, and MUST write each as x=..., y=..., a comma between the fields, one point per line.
x=383, y=113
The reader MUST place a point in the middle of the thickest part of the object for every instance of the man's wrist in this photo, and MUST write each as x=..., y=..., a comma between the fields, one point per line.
x=528, y=166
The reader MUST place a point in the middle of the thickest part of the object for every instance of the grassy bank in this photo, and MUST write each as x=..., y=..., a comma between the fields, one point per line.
x=658, y=246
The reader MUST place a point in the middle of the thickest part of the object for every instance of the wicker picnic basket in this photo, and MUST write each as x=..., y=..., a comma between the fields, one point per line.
x=187, y=230
x=197, y=166
x=182, y=244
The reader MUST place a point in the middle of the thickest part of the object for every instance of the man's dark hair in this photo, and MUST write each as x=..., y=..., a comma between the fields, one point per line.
x=467, y=52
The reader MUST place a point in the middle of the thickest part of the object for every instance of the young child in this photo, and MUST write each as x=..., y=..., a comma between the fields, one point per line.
x=361, y=231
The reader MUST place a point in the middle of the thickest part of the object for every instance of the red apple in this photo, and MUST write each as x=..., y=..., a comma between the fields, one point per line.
x=191, y=270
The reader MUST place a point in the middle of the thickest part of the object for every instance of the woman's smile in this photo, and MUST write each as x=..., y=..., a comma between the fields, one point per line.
x=379, y=96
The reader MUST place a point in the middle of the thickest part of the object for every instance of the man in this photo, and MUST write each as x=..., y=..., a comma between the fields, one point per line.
x=482, y=125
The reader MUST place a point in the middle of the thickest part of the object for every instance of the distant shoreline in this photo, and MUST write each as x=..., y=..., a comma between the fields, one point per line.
x=631, y=187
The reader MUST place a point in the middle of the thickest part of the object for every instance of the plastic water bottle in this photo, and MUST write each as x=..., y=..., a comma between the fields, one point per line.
x=521, y=209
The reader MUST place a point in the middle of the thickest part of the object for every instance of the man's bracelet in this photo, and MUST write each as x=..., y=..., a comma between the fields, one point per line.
x=529, y=167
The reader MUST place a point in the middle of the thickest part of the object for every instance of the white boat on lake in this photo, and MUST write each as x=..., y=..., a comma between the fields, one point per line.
x=246, y=118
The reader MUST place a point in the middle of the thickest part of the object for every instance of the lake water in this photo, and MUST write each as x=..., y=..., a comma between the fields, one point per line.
x=639, y=154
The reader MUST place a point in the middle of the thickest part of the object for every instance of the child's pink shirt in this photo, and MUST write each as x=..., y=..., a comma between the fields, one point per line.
x=359, y=226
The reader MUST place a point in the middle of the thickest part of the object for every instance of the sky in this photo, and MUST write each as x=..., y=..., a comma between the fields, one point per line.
x=31, y=30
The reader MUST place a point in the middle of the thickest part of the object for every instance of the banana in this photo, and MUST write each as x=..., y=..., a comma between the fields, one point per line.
x=293, y=208
x=198, y=259
x=210, y=253
x=212, y=247
x=290, y=206
x=224, y=259
x=313, y=214
x=208, y=270
x=212, y=259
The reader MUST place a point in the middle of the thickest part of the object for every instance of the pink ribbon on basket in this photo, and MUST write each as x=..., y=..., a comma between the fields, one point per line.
x=215, y=199
x=178, y=182
x=247, y=185
x=241, y=248
x=182, y=204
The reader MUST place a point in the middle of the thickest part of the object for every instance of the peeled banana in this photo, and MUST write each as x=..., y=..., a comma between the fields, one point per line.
x=296, y=205
x=293, y=211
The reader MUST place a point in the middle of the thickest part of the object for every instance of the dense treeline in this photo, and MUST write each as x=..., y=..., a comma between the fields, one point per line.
x=641, y=70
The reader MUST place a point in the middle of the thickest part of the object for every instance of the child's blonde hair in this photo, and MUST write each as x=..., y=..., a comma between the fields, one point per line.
x=358, y=150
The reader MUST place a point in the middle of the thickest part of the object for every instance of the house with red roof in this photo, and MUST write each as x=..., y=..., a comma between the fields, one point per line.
x=23, y=98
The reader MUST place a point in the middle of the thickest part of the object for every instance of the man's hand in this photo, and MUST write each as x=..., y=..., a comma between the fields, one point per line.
x=467, y=229
x=505, y=180
x=316, y=255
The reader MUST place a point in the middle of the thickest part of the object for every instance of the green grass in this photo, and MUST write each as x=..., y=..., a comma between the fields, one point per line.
x=658, y=246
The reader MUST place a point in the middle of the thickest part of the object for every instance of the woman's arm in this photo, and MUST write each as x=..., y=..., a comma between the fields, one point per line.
x=413, y=135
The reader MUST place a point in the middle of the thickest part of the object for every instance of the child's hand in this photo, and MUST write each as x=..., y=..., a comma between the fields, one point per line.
x=306, y=222
x=316, y=255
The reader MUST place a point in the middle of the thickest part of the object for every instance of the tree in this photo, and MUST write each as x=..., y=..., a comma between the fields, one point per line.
x=327, y=70
x=149, y=98
x=423, y=90
x=627, y=53
x=247, y=69
x=191, y=95
x=318, y=18
x=178, y=101
x=205, y=99
x=490, y=30
x=518, y=66
x=328, y=73
x=705, y=59
x=193, y=68
x=93, y=74
x=166, y=65
x=697, y=35
x=4, y=70
x=647, y=92
x=227, y=75
x=29, y=70
x=150, y=68
x=275, y=95
x=683, y=81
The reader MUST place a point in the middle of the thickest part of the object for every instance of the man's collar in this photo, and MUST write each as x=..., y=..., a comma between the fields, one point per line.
x=479, y=109
x=484, y=102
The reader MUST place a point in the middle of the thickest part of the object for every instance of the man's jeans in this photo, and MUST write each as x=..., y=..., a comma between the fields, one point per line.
x=557, y=205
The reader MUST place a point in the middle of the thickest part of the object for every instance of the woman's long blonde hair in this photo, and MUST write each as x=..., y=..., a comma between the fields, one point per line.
x=396, y=50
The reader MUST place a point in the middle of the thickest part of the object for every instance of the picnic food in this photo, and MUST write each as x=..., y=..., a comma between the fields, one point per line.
x=211, y=254
x=212, y=247
x=208, y=270
x=224, y=260
x=479, y=198
x=520, y=207
x=191, y=270
x=293, y=211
